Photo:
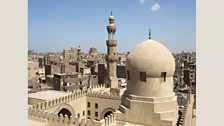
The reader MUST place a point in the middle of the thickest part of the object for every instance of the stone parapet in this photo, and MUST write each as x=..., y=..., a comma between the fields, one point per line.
x=103, y=95
x=54, y=102
x=51, y=118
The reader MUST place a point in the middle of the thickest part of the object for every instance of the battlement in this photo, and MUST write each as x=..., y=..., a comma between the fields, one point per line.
x=69, y=121
x=107, y=121
x=51, y=103
x=97, y=86
x=91, y=93
x=75, y=95
x=53, y=117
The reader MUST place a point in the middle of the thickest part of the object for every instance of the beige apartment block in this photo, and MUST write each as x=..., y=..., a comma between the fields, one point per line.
x=33, y=69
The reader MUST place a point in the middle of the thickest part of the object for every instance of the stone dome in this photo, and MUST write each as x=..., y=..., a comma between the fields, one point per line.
x=151, y=57
x=150, y=67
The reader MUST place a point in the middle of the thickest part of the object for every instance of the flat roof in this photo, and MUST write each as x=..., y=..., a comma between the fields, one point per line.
x=47, y=95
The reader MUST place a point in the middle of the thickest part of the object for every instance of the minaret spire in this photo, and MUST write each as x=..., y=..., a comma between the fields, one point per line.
x=111, y=28
x=149, y=33
x=111, y=13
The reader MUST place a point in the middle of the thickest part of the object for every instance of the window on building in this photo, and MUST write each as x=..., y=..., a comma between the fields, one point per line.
x=88, y=112
x=88, y=104
x=96, y=114
x=96, y=106
x=128, y=75
x=83, y=113
x=143, y=76
x=163, y=74
x=78, y=115
x=28, y=68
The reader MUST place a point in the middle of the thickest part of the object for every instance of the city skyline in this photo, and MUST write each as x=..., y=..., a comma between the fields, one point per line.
x=57, y=25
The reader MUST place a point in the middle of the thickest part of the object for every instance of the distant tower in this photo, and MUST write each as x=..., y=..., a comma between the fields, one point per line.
x=111, y=57
x=79, y=53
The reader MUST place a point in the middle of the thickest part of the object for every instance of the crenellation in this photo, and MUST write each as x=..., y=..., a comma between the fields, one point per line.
x=55, y=117
x=112, y=117
x=50, y=117
x=61, y=118
x=82, y=122
x=66, y=119
x=71, y=120
x=69, y=97
x=38, y=109
x=66, y=98
x=88, y=122
x=46, y=115
x=74, y=95
x=62, y=99
x=42, y=105
x=49, y=104
x=41, y=114
x=77, y=121
x=102, y=95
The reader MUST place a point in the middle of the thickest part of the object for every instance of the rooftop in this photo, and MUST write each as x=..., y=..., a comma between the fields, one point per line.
x=47, y=95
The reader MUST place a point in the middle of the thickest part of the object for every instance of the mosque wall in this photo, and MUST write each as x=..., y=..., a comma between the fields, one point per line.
x=104, y=105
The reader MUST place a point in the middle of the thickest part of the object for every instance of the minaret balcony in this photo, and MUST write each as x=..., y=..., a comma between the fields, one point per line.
x=111, y=29
x=111, y=42
x=111, y=57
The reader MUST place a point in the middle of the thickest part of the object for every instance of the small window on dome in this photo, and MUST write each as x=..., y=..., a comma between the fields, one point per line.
x=128, y=75
x=163, y=74
x=143, y=76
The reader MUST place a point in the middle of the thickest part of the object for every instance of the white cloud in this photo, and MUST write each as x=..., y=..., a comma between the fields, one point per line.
x=142, y=1
x=155, y=7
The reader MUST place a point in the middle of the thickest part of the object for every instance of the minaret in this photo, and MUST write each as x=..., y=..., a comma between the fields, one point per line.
x=111, y=57
x=79, y=53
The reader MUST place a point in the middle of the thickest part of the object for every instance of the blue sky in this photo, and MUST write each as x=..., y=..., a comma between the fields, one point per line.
x=54, y=25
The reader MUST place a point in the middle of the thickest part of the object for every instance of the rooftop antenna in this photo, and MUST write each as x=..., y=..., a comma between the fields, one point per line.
x=111, y=13
x=149, y=33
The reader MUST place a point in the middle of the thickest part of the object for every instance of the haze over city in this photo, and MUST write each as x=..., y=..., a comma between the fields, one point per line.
x=54, y=25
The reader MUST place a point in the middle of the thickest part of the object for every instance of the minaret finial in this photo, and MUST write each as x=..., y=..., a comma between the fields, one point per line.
x=149, y=33
x=111, y=13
